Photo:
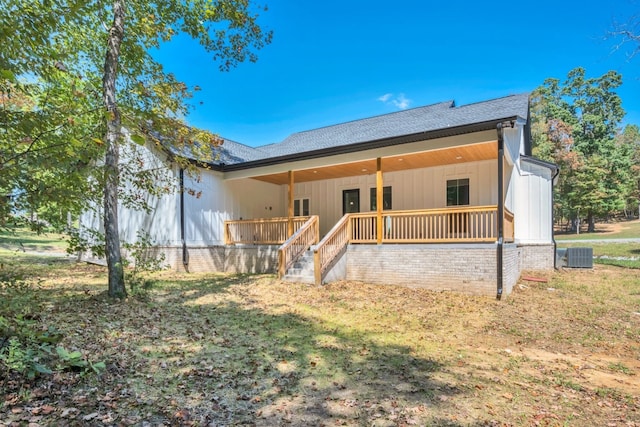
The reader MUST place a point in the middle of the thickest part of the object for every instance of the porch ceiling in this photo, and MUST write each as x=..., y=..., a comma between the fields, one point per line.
x=439, y=157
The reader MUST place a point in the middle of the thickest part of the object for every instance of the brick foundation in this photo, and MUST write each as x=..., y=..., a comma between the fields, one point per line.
x=468, y=268
x=250, y=259
x=538, y=257
x=455, y=267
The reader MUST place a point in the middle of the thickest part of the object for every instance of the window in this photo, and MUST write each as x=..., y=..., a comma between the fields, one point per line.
x=301, y=207
x=350, y=201
x=386, y=198
x=458, y=192
x=458, y=195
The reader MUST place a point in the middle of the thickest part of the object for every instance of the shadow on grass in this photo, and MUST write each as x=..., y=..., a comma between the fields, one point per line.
x=200, y=352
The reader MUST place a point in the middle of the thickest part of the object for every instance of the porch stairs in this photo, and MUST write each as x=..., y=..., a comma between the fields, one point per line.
x=302, y=270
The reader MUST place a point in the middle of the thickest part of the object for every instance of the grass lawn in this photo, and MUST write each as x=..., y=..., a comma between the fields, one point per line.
x=24, y=240
x=618, y=230
x=208, y=349
x=621, y=254
x=611, y=253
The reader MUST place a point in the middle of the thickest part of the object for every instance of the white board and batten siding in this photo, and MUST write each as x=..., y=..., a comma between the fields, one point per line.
x=159, y=222
x=209, y=200
x=221, y=200
x=423, y=188
x=533, y=199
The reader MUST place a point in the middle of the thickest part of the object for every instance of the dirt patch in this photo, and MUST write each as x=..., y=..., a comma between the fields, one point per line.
x=602, y=228
x=596, y=370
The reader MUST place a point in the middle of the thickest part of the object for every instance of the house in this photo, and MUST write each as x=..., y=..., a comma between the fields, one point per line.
x=443, y=197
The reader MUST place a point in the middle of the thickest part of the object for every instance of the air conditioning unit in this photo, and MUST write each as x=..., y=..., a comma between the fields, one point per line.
x=579, y=257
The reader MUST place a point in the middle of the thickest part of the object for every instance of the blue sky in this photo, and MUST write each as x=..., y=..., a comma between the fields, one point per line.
x=333, y=61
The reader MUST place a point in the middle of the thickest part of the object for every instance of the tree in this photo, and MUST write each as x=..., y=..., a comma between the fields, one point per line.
x=629, y=140
x=627, y=35
x=44, y=161
x=107, y=49
x=575, y=125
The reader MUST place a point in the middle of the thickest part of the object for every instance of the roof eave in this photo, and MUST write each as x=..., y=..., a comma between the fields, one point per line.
x=368, y=145
x=539, y=162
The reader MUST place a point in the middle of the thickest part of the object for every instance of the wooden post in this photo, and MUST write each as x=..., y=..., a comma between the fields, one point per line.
x=290, y=211
x=317, y=273
x=379, y=201
x=227, y=234
x=281, y=264
x=316, y=239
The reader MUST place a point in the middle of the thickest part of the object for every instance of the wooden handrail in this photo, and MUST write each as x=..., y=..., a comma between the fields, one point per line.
x=431, y=211
x=266, y=231
x=455, y=224
x=444, y=225
x=307, y=235
x=333, y=243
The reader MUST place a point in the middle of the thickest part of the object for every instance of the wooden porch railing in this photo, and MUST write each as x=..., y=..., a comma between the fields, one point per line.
x=461, y=224
x=308, y=234
x=450, y=225
x=464, y=224
x=333, y=243
x=272, y=231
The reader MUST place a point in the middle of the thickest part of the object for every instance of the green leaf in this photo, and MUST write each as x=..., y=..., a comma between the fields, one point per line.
x=50, y=338
x=42, y=369
x=68, y=356
x=62, y=353
x=7, y=75
x=75, y=355
x=138, y=139
x=99, y=367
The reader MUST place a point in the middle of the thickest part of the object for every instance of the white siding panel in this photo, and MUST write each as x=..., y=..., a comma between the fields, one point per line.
x=533, y=221
x=514, y=143
x=412, y=189
x=225, y=200
x=510, y=187
x=159, y=222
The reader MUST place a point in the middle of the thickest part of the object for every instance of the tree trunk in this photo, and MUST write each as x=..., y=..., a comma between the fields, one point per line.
x=112, y=172
x=575, y=225
x=592, y=223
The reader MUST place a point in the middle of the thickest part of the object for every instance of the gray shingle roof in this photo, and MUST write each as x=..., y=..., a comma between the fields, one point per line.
x=434, y=117
x=231, y=152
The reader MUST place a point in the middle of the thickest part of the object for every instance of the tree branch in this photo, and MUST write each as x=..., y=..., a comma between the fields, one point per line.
x=39, y=136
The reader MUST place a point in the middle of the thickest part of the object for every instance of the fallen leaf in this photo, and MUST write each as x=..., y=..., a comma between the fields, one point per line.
x=90, y=416
x=47, y=409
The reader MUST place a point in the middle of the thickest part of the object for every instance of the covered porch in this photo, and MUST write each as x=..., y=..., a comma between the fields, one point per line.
x=426, y=226
x=450, y=191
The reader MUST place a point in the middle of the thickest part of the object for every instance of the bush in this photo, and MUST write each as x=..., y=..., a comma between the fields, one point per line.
x=28, y=348
x=24, y=348
x=144, y=261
